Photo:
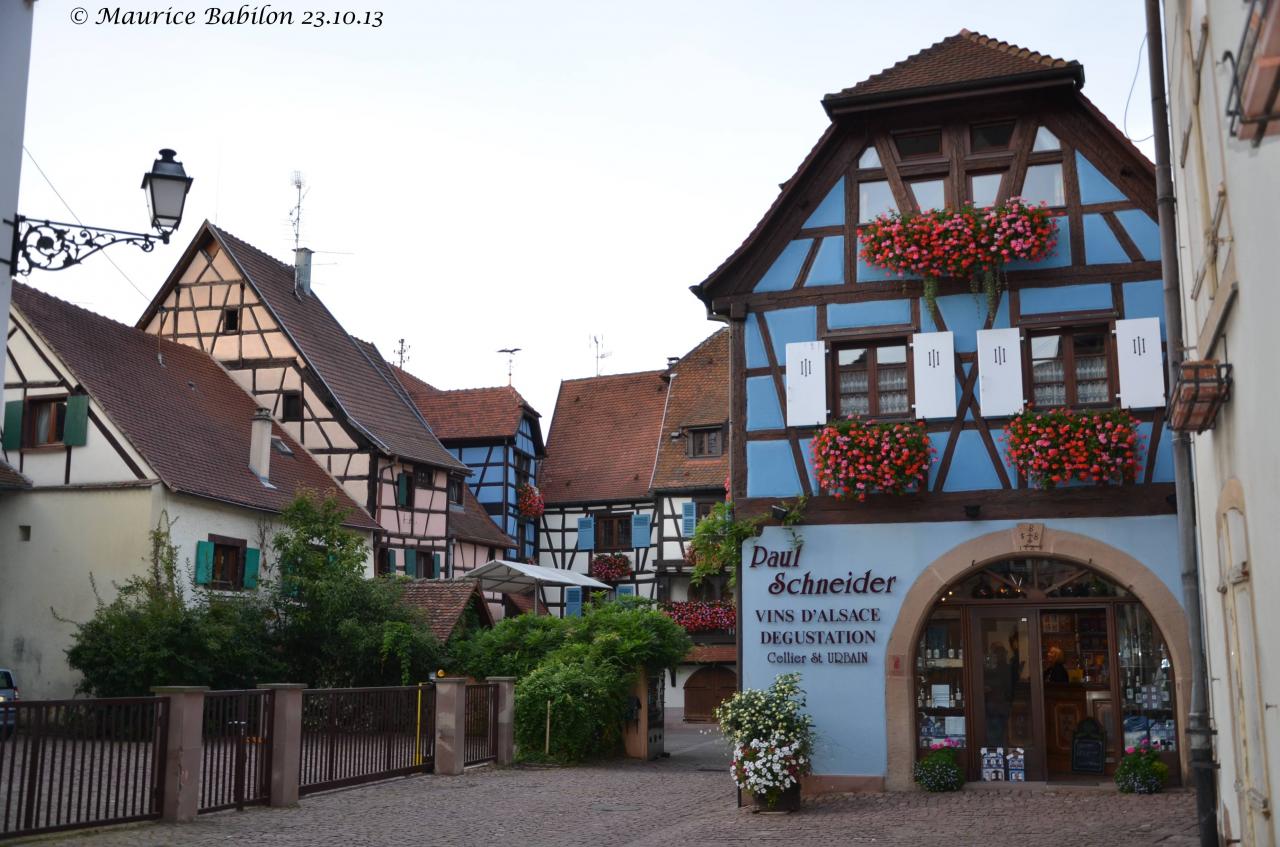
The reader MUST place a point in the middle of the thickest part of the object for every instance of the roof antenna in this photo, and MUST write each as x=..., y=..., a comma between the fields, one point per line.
x=597, y=341
x=295, y=214
x=511, y=360
x=402, y=354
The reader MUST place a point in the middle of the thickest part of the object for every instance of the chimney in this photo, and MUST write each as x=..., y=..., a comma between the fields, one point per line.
x=302, y=270
x=260, y=445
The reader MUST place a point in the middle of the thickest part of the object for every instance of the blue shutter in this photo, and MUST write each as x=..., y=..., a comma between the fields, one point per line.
x=625, y=591
x=573, y=602
x=252, y=558
x=13, y=424
x=640, y=530
x=435, y=565
x=689, y=519
x=204, y=562
x=586, y=534
x=75, y=428
x=411, y=563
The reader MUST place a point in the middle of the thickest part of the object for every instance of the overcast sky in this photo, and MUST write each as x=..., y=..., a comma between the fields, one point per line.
x=490, y=174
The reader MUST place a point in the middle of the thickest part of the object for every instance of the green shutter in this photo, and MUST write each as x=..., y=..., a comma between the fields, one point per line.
x=402, y=489
x=391, y=562
x=435, y=565
x=13, y=425
x=204, y=562
x=75, y=428
x=411, y=563
x=252, y=558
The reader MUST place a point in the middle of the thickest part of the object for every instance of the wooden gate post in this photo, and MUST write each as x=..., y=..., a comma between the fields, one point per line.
x=506, y=718
x=286, y=742
x=184, y=753
x=451, y=725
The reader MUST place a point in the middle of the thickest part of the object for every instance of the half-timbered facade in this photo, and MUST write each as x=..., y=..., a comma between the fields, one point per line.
x=112, y=433
x=497, y=434
x=336, y=395
x=894, y=605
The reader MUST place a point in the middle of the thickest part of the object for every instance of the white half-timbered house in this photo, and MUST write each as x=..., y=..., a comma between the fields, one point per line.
x=110, y=432
x=336, y=395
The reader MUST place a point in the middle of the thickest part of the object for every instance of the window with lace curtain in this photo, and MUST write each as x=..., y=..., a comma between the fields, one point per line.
x=1070, y=367
x=872, y=379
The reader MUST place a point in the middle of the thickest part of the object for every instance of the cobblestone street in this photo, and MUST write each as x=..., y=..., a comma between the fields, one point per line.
x=685, y=799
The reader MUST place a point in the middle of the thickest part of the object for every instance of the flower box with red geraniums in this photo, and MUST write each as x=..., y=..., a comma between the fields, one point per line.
x=852, y=458
x=529, y=501
x=702, y=615
x=1059, y=446
x=609, y=567
x=965, y=243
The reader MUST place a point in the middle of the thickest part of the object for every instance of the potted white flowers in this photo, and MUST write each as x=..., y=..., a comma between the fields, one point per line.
x=772, y=742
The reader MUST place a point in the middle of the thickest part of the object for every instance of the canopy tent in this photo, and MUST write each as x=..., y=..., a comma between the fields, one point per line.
x=517, y=578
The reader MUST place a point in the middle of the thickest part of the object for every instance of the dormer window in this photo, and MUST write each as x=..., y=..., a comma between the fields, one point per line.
x=916, y=145
x=984, y=138
x=705, y=442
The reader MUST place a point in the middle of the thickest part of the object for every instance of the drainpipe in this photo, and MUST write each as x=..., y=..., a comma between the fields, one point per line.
x=1198, y=731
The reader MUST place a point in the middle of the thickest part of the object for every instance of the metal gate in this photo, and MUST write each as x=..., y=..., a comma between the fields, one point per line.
x=237, y=734
x=480, y=742
x=354, y=735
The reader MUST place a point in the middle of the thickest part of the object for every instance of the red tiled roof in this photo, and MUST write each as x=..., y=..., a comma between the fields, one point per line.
x=467, y=413
x=473, y=523
x=603, y=436
x=524, y=603
x=373, y=401
x=10, y=479
x=443, y=601
x=966, y=59
x=698, y=396
x=177, y=406
x=707, y=653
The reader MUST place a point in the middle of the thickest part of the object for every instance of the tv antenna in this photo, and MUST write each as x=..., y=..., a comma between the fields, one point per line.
x=402, y=353
x=511, y=360
x=295, y=214
x=597, y=341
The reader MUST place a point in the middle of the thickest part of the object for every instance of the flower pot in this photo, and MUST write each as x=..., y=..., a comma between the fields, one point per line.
x=785, y=802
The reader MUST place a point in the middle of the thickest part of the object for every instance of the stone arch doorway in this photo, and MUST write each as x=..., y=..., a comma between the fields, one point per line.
x=706, y=689
x=1024, y=540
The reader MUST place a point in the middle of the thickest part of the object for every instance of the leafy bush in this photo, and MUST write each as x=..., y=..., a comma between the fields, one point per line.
x=939, y=771
x=1141, y=771
x=717, y=543
x=630, y=634
x=588, y=701
x=513, y=647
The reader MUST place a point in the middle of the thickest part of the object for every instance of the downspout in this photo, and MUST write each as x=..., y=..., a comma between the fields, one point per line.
x=1198, y=731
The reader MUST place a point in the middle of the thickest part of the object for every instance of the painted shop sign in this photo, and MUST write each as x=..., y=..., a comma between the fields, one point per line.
x=837, y=630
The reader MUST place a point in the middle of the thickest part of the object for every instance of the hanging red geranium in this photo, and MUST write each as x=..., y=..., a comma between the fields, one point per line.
x=852, y=458
x=1058, y=446
x=609, y=567
x=966, y=243
x=702, y=615
x=529, y=501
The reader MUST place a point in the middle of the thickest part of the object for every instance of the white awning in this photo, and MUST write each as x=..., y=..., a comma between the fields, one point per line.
x=519, y=578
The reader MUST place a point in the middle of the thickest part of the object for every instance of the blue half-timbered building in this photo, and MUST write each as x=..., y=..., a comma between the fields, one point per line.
x=977, y=610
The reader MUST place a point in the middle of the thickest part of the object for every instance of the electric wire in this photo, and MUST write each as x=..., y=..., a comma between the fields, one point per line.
x=1129, y=99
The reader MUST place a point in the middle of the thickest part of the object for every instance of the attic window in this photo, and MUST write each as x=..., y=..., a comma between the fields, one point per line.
x=705, y=442
x=1045, y=140
x=869, y=159
x=277, y=444
x=231, y=320
x=913, y=145
x=291, y=406
x=993, y=136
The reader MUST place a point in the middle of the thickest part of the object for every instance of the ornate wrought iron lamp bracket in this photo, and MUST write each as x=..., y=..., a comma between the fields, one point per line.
x=54, y=246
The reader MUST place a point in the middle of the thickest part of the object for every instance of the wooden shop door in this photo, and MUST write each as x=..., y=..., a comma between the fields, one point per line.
x=706, y=689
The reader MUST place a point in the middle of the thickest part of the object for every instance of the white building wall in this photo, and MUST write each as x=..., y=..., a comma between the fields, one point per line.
x=15, y=59
x=1222, y=179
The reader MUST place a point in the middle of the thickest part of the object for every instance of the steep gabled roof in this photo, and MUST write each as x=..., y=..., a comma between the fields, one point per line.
x=603, y=437
x=472, y=523
x=966, y=60
x=698, y=396
x=177, y=406
x=10, y=479
x=468, y=414
x=442, y=602
x=359, y=380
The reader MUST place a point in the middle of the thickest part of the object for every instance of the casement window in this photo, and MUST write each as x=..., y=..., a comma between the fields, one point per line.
x=424, y=477
x=46, y=422
x=226, y=564
x=613, y=532
x=1070, y=366
x=231, y=319
x=702, y=508
x=524, y=468
x=984, y=189
x=455, y=490
x=385, y=562
x=291, y=406
x=872, y=379
x=705, y=442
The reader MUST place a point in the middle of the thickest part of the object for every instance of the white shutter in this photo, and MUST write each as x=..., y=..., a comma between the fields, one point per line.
x=934, y=369
x=999, y=372
x=1141, y=363
x=806, y=383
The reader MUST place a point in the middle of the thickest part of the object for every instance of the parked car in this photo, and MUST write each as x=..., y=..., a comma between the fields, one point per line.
x=8, y=693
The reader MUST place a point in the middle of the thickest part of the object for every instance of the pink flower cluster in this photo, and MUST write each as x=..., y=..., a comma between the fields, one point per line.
x=1061, y=445
x=852, y=458
x=609, y=567
x=529, y=502
x=702, y=615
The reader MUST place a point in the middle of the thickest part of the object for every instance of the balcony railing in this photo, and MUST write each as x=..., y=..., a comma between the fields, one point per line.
x=1255, y=73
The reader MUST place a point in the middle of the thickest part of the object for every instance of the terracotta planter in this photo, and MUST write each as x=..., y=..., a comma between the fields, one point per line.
x=788, y=801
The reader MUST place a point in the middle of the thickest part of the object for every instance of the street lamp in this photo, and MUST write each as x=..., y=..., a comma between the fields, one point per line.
x=54, y=246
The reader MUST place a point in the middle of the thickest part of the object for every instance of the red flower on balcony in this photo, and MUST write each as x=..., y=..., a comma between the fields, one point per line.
x=702, y=615
x=1054, y=447
x=852, y=458
x=610, y=567
x=529, y=501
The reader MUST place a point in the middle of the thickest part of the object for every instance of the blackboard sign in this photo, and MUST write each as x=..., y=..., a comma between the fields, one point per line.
x=1088, y=755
